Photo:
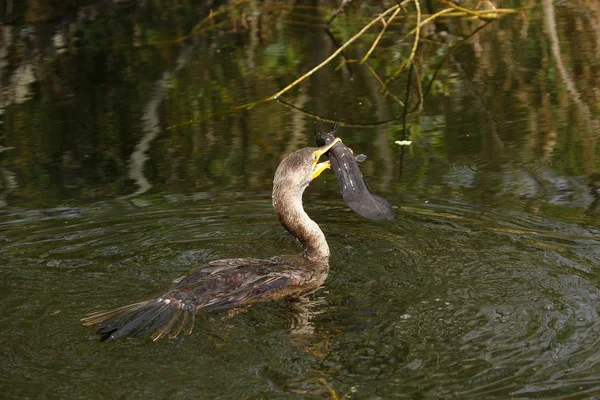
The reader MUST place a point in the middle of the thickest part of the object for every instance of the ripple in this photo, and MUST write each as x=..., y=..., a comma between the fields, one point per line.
x=448, y=300
x=500, y=304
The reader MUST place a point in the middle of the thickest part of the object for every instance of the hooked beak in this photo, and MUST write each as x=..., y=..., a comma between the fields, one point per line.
x=320, y=167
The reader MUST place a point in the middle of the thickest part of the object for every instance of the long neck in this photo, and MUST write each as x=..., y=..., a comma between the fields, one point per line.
x=291, y=214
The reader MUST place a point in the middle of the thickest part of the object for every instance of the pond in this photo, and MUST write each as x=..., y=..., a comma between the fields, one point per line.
x=129, y=155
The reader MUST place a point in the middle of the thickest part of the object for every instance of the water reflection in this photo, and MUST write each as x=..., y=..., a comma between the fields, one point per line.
x=81, y=140
x=151, y=126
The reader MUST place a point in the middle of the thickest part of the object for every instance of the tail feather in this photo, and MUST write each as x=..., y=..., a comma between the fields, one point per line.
x=188, y=324
x=142, y=323
x=160, y=316
x=168, y=326
x=99, y=316
x=185, y=323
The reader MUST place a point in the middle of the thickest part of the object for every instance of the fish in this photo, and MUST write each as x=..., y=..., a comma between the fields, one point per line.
x=354, y=188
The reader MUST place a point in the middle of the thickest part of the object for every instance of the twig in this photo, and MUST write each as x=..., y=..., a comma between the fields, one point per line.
x=452, y=50
x=404, y=114
x=482, y=15
x=345, y=60
x=414, y=48
x=331, y=57
x=486, y=15
x=325, y=119
x=383, y=85
x=395, y=74
x=406, y=100
x=416, y=30
x=338, y=11
x=199, y=27
x=213, y=14
x=334, y=395
x=416, y=43
x=419, y=106
x=384, y=88
x=428, y=20
x=385, y=25
x=338, y=51
x=451, y=13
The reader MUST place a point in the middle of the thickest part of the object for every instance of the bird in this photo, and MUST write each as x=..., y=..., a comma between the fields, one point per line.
x=237, y=282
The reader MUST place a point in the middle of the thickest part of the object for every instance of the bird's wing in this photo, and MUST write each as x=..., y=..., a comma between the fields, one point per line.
x=251, y=290
x=214, y=267
x=239, y=281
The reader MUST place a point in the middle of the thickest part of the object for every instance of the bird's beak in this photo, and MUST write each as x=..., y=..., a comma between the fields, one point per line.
x=320, y=167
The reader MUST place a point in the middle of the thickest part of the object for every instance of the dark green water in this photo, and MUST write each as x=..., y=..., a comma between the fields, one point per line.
x=125, y=163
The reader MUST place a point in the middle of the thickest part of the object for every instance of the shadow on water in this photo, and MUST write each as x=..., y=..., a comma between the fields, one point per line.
x=124, y=163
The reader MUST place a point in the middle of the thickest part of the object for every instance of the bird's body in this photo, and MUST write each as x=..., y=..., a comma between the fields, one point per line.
x=237, y=282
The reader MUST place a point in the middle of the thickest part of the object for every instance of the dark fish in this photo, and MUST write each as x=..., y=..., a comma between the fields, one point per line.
x=355, y=190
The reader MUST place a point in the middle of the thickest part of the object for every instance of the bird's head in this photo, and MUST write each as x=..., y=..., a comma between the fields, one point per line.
x=298, y=169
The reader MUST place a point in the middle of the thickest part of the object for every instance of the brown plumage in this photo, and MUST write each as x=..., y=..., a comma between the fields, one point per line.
x=236, y=282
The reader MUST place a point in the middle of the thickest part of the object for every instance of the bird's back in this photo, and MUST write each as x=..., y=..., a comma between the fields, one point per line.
x=220, y=284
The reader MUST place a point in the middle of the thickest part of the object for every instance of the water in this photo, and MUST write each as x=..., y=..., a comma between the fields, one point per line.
x=447, y=300
x=124, y=163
